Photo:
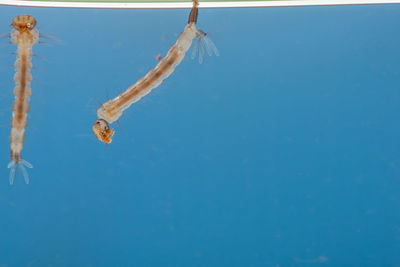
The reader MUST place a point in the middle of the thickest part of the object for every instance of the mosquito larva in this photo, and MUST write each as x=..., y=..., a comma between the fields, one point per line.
x=113, y=109
x=24, y=35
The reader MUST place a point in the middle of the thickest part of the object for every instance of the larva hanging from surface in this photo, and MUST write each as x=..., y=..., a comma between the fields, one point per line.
x=113, y=109
x=24, y=35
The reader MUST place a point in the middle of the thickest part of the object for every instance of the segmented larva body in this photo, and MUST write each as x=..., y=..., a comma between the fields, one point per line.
x=113, y=109
x=24, y=36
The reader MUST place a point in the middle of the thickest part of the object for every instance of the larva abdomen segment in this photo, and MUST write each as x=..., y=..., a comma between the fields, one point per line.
x=17, y=138
x=17, y=64
x=26, y=91
x=19, y=122
x=23, y=104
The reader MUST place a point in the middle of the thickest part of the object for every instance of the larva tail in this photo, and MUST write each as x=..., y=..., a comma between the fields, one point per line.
x=203, y=45
x=14, y=167
x=194, y=12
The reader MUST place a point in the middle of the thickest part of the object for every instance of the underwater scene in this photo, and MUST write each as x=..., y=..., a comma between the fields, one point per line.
x=257, y=137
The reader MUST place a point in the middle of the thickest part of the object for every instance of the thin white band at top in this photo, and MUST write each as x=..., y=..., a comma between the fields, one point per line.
x=188, y=4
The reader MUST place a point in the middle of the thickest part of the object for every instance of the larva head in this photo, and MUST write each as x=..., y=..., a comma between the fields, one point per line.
x=24, y=23
x=102, y=131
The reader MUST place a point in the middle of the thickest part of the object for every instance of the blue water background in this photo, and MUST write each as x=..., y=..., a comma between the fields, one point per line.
x=282, y=151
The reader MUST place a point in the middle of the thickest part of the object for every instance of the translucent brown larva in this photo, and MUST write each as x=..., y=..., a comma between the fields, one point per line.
x=24, y=35
x=113, y=109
